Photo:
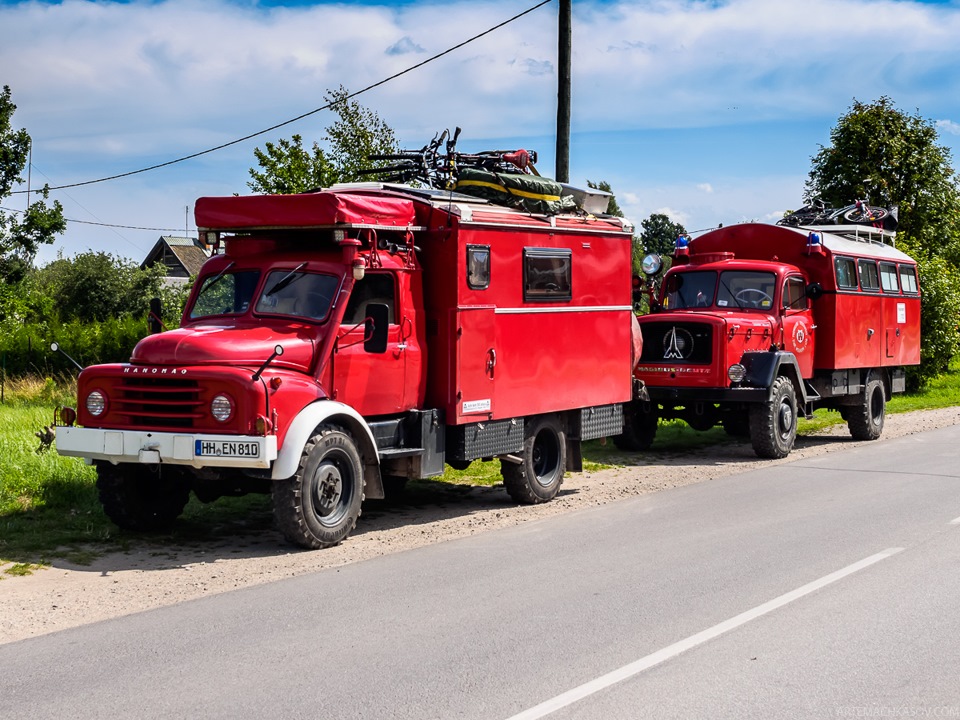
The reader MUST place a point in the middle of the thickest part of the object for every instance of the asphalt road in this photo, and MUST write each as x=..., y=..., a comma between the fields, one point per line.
x=820, y=589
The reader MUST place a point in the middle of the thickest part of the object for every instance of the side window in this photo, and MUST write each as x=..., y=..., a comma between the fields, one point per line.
x=547, y=274
x=374, y=288
x=869, y=280
x=478, y=267
x=794, y=294
x=846, y=273
x=908, y=278
x=888, y=278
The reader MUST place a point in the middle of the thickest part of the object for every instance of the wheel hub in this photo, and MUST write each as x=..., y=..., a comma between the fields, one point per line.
x=328, y=489
x=786, y=419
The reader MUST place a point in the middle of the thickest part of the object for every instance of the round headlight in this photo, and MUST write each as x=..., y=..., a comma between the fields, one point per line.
x=221, y=408
x=736, y=372
x=651, y=264
x=96, y=403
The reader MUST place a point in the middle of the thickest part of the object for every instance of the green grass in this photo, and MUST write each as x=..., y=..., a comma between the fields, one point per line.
x=49, y=506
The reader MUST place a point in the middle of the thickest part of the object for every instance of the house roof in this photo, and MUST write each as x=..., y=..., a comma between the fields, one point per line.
x=187, y=251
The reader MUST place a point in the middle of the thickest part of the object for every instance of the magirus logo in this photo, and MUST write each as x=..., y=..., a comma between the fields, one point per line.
x=677, y=344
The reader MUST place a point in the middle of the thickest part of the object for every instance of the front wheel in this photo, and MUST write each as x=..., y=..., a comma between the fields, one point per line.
x=318, y=507
x=143, y=498
x=773, y=424
x=538, y=476
x=865, y=420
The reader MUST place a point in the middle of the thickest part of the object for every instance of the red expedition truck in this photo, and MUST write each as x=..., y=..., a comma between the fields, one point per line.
x=346, y=340
x=755, y=324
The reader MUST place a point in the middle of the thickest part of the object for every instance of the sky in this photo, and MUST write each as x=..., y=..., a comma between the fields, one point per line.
x=706, y=110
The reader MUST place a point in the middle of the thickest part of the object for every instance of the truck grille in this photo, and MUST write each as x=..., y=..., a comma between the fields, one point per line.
x=682, y=343
x=158, y=402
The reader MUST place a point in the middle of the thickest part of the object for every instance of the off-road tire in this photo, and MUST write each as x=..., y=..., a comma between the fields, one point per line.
x=142, y=498
x=865, y=419
x=538, y=477
x=639, y=426
x=773, y=424
x=318, y=507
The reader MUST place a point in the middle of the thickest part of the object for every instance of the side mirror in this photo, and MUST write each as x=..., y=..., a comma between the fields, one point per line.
x=814, y=291
x=375, y=328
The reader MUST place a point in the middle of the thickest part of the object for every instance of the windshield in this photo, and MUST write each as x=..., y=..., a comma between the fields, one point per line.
x=746, y=289
x=689, y=290
x=742, y=289
x=225, y=294
x=285, y=292
x=302, y=294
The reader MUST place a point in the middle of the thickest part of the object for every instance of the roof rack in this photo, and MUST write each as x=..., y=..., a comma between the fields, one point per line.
x=859, y=233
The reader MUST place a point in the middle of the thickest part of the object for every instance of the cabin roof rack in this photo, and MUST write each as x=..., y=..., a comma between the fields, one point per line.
x=858, y=233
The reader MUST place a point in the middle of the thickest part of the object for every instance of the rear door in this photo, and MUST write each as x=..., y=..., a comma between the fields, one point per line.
x=476, y=368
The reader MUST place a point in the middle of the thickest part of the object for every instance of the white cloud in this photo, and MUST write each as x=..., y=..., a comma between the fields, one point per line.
x=948, y=126
x=404, y=46
x=705, y=187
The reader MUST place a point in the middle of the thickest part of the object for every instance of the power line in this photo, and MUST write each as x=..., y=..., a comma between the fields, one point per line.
x=306, y=114
x=103, y=224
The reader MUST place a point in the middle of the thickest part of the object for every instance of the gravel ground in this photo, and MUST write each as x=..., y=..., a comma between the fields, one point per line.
x=64, y=595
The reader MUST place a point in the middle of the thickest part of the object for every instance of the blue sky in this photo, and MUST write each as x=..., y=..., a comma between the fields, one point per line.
x=708, y=111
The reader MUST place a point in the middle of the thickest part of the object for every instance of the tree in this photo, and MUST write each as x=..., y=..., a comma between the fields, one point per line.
x=94, y=286
x=659, y=234
x=881, y=154
x=21, y=235
x=356, y=134
x=288, y=168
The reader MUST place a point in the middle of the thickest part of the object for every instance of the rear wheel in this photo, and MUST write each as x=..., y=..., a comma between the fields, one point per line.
x=142, y=497
x=773, y=424
x=538, y=476
x=318, y=507
x=865, y=420
x=639, y=426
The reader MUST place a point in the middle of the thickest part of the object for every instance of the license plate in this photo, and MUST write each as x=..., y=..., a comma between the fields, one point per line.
x=227, y=448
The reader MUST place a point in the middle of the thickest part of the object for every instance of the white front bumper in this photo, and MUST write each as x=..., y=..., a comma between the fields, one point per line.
x=135, y=446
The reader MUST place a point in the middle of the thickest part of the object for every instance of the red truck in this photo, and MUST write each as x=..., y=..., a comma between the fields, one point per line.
x=346, y=340
x=755, y=324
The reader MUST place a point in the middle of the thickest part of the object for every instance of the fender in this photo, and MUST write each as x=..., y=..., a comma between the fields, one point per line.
x=763, y=367
x=302, y=427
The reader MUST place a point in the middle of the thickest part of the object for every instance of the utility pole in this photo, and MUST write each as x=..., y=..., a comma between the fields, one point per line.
x=563, y=91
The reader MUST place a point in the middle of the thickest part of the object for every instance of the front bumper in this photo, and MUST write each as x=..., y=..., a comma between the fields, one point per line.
x=682, y=396
x=150, y=448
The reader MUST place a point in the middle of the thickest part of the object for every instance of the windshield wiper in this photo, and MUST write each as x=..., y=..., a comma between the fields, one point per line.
x=219, y=276
x=730, y=292
x=286, y=280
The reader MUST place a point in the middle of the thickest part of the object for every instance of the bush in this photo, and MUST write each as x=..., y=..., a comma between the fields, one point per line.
x=25, y=348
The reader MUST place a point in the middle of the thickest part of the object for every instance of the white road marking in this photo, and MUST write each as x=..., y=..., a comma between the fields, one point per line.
x=627, y=671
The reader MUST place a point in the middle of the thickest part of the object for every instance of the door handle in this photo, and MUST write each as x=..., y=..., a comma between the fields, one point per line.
x=491, y=361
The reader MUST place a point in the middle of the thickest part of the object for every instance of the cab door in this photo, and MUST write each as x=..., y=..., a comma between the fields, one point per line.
x=797, y=321
x=371, y=383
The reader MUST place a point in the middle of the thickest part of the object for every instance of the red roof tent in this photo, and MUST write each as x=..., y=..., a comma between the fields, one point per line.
x=307, y=210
